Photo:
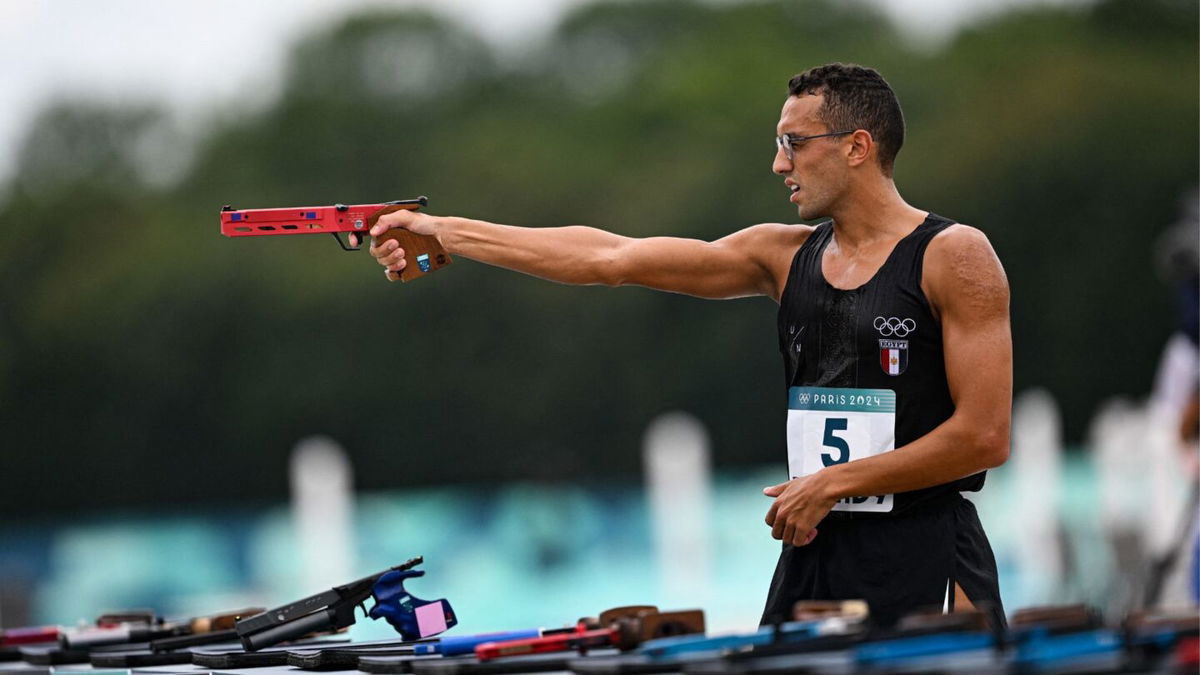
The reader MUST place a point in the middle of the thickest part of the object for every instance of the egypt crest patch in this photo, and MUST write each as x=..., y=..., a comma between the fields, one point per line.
x=893, y=356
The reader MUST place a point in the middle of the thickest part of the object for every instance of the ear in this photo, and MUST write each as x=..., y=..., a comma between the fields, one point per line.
x=860, y=147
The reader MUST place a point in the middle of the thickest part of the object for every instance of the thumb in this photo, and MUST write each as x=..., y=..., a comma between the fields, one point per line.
x=400, y=218
x=386, y=222
x=775, y=490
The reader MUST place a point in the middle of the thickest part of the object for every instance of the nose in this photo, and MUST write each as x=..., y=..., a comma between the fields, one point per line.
x=782, y=165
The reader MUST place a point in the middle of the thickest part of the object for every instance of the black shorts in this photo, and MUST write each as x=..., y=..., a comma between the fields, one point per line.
x=898, y=564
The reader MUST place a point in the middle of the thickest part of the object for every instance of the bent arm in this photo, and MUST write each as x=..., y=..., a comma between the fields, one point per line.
x=753, y=261
x=966, y=285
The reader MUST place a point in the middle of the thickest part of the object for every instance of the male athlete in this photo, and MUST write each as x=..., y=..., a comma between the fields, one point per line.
x=893, y=324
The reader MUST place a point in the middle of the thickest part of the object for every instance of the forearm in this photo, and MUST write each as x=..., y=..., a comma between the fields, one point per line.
x=573, y=254
x=953, y=450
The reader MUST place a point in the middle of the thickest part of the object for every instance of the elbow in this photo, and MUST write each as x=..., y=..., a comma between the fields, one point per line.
x=983, y=441
x=610, y=274
x=992, y=448
x=609, y=267
x=606, y=273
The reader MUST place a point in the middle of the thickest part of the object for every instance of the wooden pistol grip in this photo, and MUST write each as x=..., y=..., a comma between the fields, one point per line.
x=610, y=616
x=812, y=610
x=223, y=621
x=671, y=624
x=423, y=252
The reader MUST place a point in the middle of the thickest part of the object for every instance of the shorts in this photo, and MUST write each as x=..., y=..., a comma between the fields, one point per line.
x=898, y=564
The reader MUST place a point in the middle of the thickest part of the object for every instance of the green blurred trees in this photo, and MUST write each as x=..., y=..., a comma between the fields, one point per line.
x=146, y=360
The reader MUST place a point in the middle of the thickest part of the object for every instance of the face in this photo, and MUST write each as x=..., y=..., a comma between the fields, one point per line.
x=816, y=174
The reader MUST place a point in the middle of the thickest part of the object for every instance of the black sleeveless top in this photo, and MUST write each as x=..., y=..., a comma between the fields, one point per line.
x=881, y=335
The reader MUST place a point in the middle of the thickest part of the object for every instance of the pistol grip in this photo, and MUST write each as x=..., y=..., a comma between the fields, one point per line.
x=423, y=252
x=411, y=616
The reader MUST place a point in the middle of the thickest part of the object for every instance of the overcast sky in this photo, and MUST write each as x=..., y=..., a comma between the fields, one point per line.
x=195, y=55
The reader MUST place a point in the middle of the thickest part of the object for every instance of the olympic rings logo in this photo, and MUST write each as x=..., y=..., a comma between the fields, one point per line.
x=890, y=326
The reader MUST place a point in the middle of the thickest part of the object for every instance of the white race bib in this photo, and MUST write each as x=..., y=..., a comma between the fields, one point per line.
x=827, y=426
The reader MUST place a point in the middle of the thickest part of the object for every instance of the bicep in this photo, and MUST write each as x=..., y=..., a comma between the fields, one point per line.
x=971, y=293
x=745, y=263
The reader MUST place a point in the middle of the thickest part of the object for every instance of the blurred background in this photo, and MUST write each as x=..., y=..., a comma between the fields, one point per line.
x=193, y=423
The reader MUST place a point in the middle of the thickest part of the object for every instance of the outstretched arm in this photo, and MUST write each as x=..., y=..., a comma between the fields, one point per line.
x=753, y=261
x=968, y=290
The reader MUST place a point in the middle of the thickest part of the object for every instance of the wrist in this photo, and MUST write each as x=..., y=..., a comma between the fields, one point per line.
x=829, y=482
x=440, y=228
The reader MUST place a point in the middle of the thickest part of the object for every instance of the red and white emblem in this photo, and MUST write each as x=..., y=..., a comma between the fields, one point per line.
x=893, y=356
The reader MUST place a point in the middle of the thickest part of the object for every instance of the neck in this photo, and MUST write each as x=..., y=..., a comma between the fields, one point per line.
x=872, y=213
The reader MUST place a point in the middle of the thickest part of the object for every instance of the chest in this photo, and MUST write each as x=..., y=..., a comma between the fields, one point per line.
x=876, y=334
x=846, y=270
x=832, y=321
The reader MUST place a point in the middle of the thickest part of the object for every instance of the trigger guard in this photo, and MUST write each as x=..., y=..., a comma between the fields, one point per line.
x=343, y=244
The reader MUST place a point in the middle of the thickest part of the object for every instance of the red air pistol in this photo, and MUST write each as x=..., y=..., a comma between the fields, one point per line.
x=423, y=252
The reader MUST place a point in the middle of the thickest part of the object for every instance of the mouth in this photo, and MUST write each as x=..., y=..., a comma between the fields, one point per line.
x=795, y=190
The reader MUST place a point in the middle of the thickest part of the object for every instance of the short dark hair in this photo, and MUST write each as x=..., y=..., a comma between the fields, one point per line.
x=856, y=97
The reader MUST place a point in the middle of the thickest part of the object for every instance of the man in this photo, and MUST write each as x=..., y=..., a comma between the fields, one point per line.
x=894, y=328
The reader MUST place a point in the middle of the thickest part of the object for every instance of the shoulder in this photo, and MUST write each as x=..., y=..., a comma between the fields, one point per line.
x=768, y=243
x=773, y=233
x=958, y=249
x=770, y=247
x=962, y=269
x=959, y=235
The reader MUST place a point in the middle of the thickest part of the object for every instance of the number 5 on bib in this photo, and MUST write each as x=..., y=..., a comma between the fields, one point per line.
x=828, y=426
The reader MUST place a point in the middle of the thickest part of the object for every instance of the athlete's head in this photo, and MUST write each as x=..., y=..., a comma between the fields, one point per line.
x=840, y=127
x=856, y=97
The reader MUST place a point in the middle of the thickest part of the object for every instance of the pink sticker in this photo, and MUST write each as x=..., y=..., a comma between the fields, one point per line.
x=431, y=620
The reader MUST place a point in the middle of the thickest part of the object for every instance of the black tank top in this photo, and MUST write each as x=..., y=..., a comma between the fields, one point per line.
x=881, y=335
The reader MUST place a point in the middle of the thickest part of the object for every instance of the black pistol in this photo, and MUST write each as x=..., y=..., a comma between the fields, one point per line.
x=323, y=612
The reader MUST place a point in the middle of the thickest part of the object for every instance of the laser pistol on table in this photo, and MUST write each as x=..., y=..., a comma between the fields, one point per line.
x=332, y=610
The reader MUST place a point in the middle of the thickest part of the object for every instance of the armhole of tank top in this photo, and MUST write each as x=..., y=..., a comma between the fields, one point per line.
x=941, y=224
x=788, y=287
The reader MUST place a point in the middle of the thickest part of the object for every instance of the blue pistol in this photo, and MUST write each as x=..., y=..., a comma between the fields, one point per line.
x=333, y=610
